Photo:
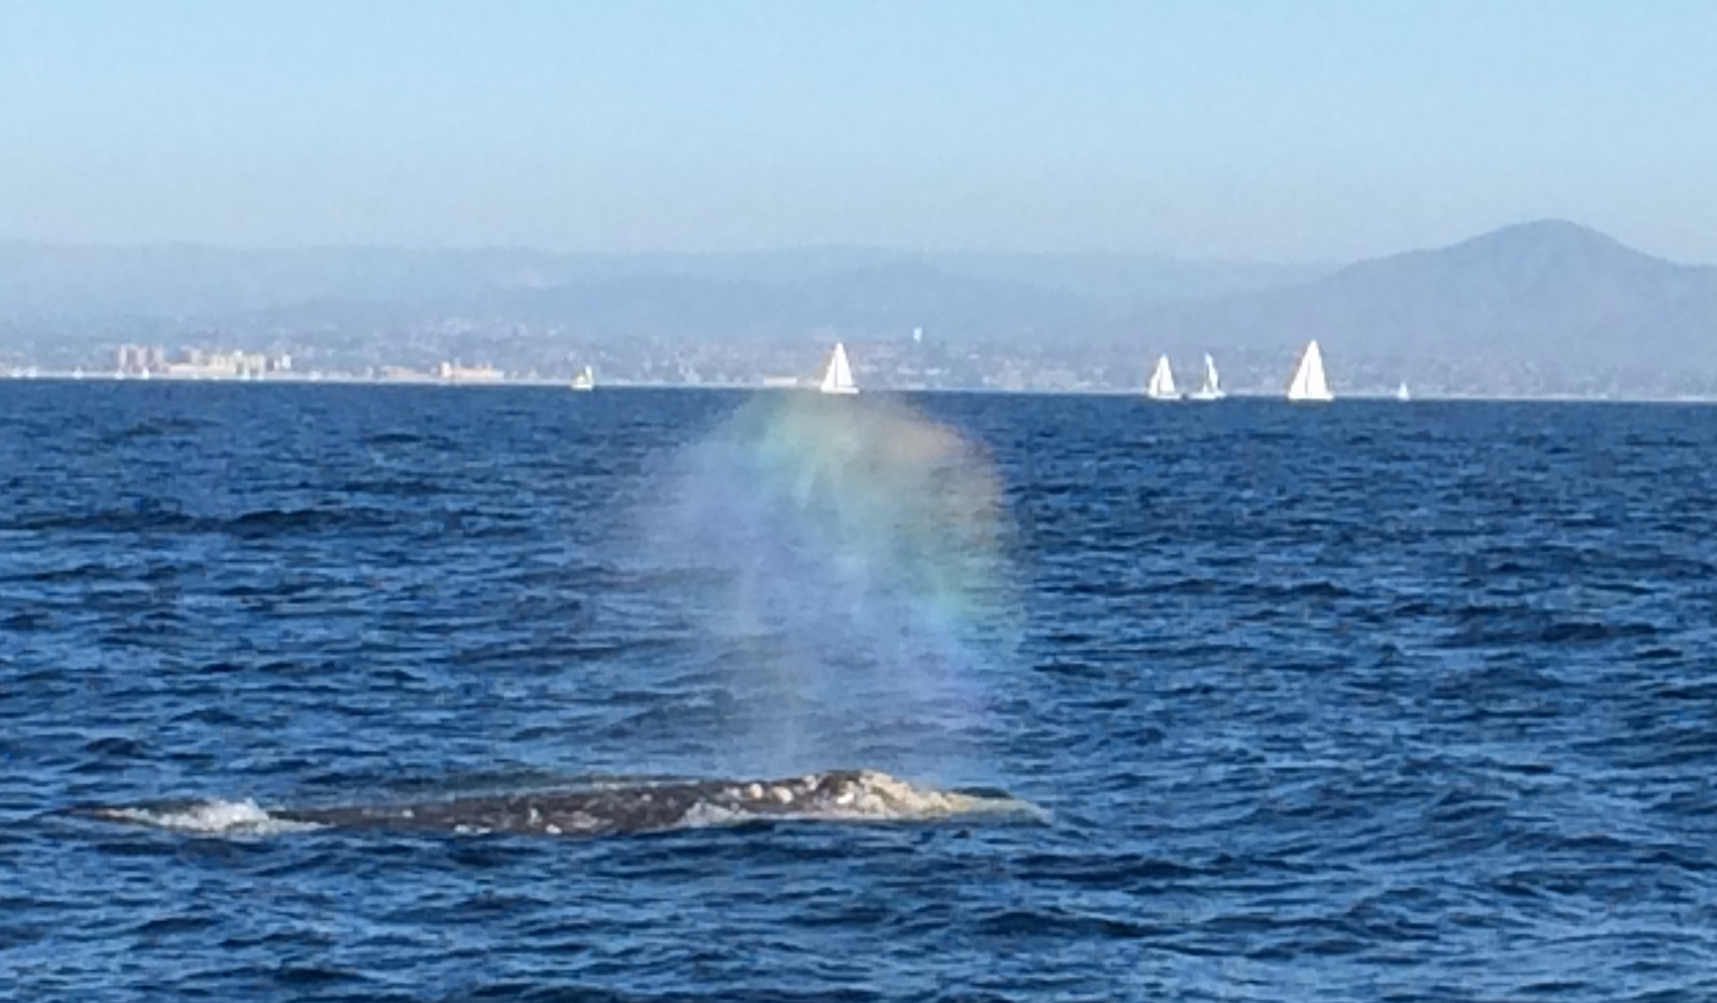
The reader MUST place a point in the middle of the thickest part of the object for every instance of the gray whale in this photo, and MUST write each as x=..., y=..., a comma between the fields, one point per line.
x=838, y=795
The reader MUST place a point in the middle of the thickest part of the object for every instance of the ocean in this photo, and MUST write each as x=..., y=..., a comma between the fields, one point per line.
x=1204, y=701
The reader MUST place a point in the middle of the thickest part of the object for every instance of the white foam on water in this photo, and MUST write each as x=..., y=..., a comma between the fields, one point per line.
x=215, y=817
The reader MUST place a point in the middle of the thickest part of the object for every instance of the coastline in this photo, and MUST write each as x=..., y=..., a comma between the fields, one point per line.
x=333, y=378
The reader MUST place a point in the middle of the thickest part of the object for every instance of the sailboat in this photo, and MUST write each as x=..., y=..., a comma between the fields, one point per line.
x=585, y=380
x=1401, y=393
x=1308, y=382
x=1212, y=389
x=1161, y=385
x=838, y=377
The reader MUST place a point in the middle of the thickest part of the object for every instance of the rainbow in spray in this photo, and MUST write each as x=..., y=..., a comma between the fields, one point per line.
x=853, y=557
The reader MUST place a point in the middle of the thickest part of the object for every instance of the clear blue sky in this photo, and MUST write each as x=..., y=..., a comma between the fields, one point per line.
x=1270, y=129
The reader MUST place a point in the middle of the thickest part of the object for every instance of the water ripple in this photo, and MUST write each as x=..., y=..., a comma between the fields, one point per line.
x=1357, y=703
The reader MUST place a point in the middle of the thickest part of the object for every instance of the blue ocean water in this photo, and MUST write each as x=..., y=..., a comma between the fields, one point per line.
x=1363, y=702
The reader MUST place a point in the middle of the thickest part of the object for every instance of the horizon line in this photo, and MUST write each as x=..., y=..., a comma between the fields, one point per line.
x=806, y=248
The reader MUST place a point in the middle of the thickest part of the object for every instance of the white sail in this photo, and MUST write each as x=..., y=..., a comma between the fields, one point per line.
x=1308, y=383
x=1161, y=385
x=838, y=377
x=585, y=380
x=1401, y=393
x=1212, y=388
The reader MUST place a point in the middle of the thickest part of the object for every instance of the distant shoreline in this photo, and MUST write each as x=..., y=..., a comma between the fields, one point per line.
x=347, y=379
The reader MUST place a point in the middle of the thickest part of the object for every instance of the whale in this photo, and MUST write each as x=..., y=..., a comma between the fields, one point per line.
x=599, y=810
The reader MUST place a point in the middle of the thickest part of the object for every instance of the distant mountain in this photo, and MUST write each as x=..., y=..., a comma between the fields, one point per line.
x=183, y=280
x=50, y=281
x=1543, y=307
x=885, y=301
x=1551, y=294
x=1126, y=281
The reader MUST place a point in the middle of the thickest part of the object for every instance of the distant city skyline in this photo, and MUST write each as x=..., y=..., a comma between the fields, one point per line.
x=1307, y=132
x=1545, y=308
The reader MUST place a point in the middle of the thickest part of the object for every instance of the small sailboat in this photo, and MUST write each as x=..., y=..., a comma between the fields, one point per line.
x=1161, y=384
x=585, y=380
x=838, y=377
x=1401, y=393
x=1308, y=382
x=1212, y=388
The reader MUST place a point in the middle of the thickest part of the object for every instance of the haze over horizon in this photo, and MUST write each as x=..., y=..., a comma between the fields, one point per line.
x=831, y=248
x=1319, y=132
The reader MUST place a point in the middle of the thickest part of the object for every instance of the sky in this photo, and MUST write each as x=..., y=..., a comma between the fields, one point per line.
x=1265, y=130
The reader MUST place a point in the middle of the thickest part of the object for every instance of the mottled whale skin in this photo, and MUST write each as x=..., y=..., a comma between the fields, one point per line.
x=839, y=795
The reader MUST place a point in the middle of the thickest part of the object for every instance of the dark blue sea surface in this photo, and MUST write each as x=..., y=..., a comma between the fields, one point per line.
x=1363, y=702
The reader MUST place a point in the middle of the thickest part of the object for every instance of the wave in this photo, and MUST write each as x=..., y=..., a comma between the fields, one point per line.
x=603, y=809
x=167, y=521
